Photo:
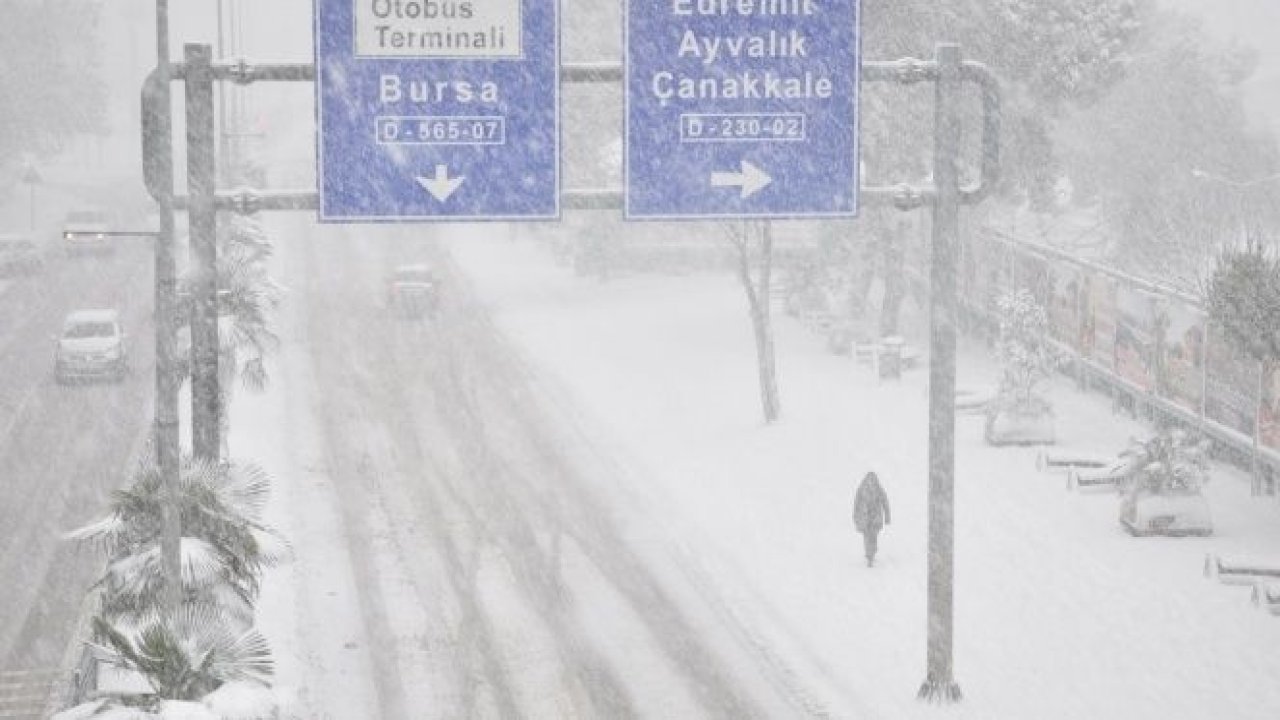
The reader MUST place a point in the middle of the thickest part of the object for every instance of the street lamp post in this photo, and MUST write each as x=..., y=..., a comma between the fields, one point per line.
x=32, y=178
x=1241, y=187
x=1203, y=175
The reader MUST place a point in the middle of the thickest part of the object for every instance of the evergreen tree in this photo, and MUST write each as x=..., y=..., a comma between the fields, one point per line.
x=1244, y=300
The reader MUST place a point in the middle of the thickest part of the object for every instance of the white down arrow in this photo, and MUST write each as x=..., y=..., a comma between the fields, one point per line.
x=441, y=186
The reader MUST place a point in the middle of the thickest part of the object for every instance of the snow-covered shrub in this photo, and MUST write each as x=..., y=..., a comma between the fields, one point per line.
x=188, y=656
x=1163, y=497
x=1023, y=351
x=1172, y=462
x=1017, y=415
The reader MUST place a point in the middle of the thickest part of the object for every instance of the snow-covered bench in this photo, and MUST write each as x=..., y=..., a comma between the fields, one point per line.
x=1111, y=476
x=1267, y=596
x=1241, y=571
x=973, y=400
x=1066, y=460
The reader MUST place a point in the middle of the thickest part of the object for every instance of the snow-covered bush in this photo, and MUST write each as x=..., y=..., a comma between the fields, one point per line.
x=188, y=656
x=1171, y=462
x=1163, y=497
x=1023, y=351
x=1018, y=414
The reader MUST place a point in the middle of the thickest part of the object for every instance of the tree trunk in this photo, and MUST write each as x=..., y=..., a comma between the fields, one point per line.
x=758, y=304
x=894, y=283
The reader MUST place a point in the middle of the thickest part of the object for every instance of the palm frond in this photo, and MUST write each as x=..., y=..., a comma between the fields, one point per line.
x=134, y=586
x=273, y=547
x=104, y=533
x=246, y=487
x=246, y=658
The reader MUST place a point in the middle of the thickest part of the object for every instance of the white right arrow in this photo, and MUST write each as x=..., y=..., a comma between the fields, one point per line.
x=441, y=186
x=751, y=179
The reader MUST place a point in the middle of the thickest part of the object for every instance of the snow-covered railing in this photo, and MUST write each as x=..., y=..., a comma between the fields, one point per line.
x=1052, y=253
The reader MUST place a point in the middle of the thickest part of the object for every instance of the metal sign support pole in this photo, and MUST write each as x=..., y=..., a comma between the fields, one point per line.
x=205, y=395
x=166, y=437
x=939, y=684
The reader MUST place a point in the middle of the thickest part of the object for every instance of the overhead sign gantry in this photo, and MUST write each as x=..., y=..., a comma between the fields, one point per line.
x=437, y=109
x=741, y=108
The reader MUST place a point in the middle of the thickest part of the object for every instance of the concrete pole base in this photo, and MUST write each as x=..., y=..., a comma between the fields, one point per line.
x=940, y=692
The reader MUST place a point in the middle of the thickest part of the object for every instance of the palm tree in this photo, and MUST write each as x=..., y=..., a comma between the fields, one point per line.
x=225, y=547
x=247, y=295
x=210, y=639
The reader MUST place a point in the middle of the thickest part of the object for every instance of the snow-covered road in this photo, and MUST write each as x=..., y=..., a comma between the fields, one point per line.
x=495, y=566
x=62, y=449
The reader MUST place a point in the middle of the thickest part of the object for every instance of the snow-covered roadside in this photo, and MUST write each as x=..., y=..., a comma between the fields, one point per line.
x=310, y=607
x=1058, y=613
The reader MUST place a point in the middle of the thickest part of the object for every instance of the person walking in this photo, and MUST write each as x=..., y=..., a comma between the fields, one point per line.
x=870, y=514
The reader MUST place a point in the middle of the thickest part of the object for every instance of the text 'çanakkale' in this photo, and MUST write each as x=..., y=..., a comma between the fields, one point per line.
x=713, y=49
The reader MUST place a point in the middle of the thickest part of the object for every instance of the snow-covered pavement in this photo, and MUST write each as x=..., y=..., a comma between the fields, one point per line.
x=1058, y=612
x=701, y=559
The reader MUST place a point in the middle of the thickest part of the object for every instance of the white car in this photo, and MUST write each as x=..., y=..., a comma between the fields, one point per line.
x=88, y=231
x=91, y=346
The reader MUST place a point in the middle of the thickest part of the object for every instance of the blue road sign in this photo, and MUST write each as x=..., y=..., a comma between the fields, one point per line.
x=741, y=108
x=438, y=109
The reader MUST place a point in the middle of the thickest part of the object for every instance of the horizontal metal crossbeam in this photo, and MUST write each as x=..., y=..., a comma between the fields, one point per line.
x=906, y=71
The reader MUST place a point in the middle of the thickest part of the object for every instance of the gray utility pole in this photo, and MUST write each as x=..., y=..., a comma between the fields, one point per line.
x=939, y=684
x=206, y=398
x=158, y=169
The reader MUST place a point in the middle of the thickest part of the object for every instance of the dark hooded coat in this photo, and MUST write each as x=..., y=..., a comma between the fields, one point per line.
x=870, y=505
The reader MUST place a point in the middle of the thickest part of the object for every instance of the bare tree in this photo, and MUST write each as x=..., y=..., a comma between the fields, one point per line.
x=754, y=244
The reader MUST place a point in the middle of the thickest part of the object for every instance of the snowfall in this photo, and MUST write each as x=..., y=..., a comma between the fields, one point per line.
x=1058, y=612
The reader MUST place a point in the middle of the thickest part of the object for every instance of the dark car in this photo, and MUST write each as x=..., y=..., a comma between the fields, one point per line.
x=19, y=256
x=88, y=231
x=413, y=291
